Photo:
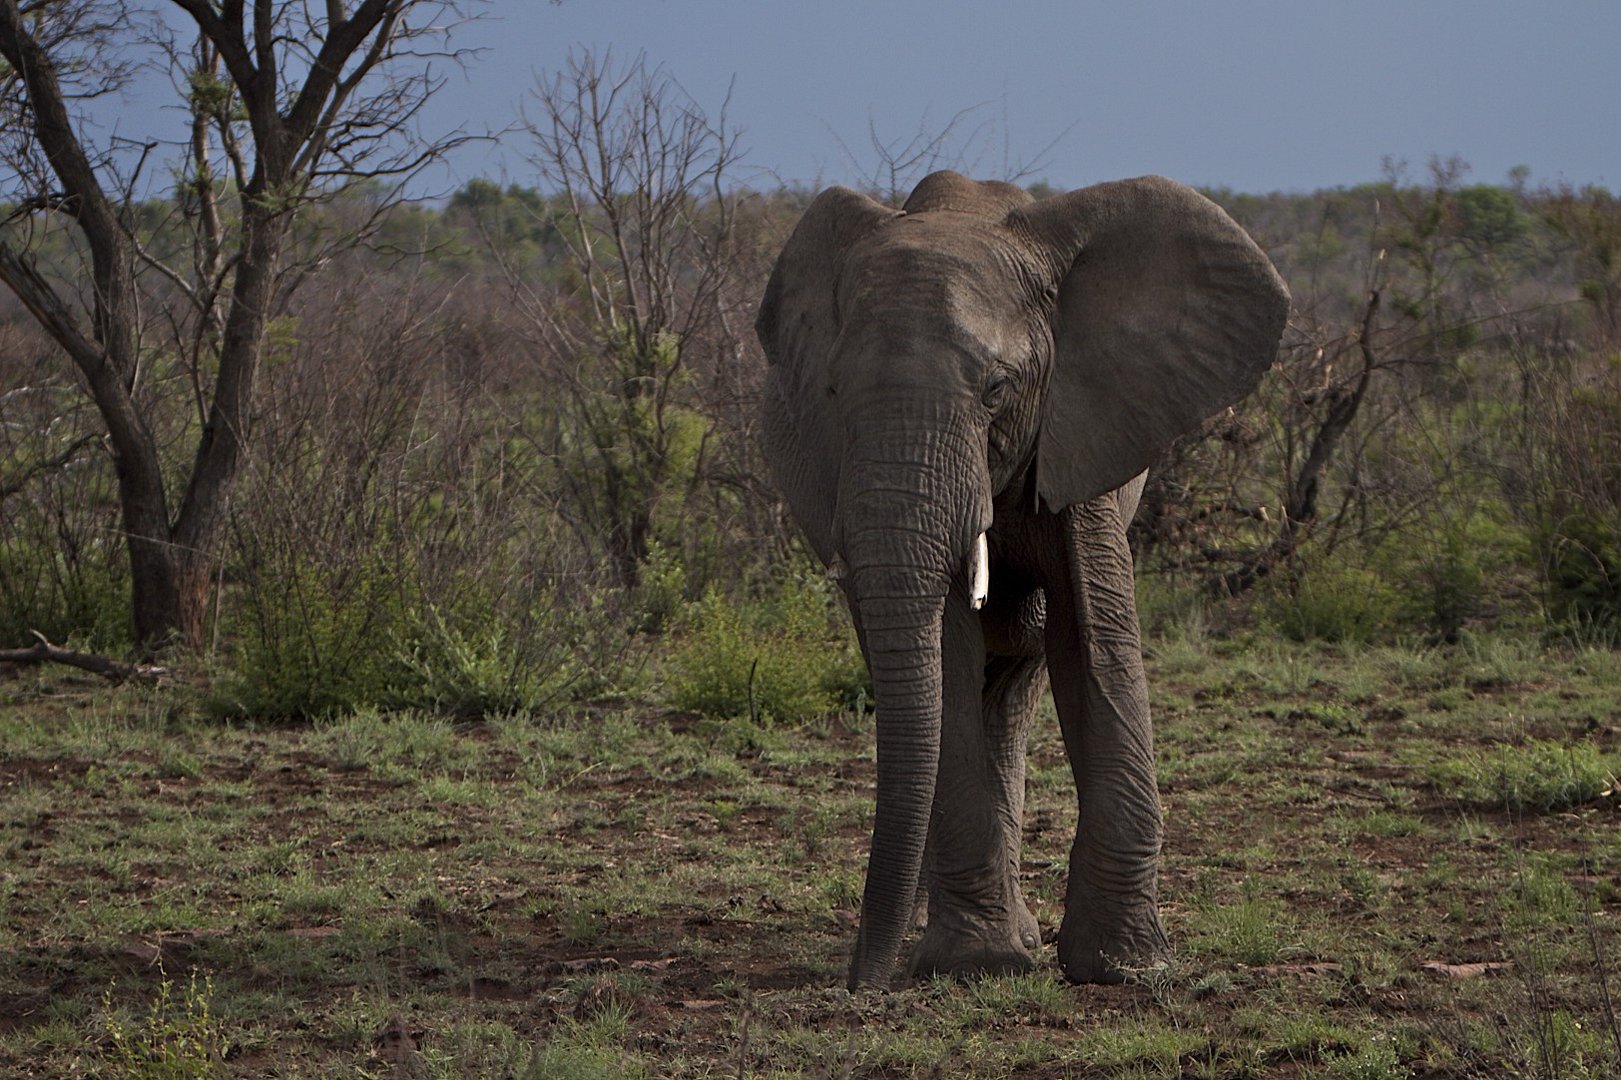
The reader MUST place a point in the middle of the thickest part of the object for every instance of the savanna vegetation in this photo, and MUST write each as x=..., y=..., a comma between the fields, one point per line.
x=484, y=715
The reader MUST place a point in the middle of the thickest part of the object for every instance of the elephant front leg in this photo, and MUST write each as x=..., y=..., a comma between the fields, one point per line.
x=1094, y=658
x=978, y=922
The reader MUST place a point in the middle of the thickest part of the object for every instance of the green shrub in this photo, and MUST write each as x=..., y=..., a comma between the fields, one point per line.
x=178, y=1037
x=313, y=639
x=1449, y=587
x=483, y=658
x=1580, y=555
x=1167, y=607
x=80, y=597
x=469, y=670
x=1377, y=1059
x=414, y=614
x=778, y=660
x=1334, y=602
x=370, y=739
x=661, y=589
x=64, y=568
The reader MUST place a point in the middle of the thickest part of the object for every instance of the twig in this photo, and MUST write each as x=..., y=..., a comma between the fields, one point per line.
x=1601, y=970
x=9, y=488
x=754, y=713
x=743, y=1042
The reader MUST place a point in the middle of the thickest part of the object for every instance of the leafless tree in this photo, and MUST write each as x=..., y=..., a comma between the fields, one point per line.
x=1325, y=378
x=638, y=170
x=891, y=166
x=286, y=102
x=1364, y=360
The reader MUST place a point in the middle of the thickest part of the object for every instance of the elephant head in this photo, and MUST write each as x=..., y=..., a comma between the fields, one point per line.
x=974, y=350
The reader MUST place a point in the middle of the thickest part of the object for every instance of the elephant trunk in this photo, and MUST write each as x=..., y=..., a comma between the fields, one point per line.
x=904, y=654
x=907, y=538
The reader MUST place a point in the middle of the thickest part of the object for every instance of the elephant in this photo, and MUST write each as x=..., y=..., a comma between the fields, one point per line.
x=961, y=400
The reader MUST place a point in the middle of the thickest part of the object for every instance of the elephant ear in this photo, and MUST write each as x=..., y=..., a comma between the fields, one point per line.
x=799, y=316
x=1166, y=313
x=798, y=324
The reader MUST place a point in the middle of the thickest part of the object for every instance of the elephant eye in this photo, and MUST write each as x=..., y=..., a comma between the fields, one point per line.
x=997, y=392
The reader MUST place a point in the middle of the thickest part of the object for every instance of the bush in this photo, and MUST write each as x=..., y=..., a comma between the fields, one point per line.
x=781, y=660
x=1575, y=520
x=1451, y=583
x=1168, y=607
x=661, y=588
x=1580, y=555
x=177, y=1037
x=1445, y=566
x=488, y=659
x=64, y=569
x=370, y=739
x=1334, y=602
x=319, y=640
x=79, y=597
x=314, y=639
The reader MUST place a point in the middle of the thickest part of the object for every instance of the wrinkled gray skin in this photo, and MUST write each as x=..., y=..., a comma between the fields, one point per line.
x=980, y=360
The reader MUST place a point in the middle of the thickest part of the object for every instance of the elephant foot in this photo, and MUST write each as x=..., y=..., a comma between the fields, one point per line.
x=1107, y=946
x=968, y=947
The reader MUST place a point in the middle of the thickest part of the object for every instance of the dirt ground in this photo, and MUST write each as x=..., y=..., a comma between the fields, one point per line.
x=1377, y=864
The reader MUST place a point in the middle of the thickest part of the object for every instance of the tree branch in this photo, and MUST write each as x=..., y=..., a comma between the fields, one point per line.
x=11, y=487
x=342, y=40
x=1301, y=511
x=47, y=308
x=224, y=32
x=53, y=128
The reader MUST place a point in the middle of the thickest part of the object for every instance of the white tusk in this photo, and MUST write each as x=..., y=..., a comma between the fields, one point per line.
x=980, y=573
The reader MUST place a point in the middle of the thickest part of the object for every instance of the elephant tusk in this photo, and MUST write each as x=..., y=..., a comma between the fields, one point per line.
x=980, y=573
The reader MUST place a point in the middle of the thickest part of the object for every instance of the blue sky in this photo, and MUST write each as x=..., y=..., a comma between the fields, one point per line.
x=1256, y=96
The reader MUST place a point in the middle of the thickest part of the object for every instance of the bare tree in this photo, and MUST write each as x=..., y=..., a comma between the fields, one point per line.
x=638, y=169
x=1364, y=358
x=286, y=102
x=1318, y=409
x=891, y=166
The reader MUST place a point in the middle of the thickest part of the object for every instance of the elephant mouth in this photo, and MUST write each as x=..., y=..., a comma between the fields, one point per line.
x=978, y=570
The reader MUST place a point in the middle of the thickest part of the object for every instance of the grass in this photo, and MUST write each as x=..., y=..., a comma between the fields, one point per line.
x=1539, y=776
x=630, y=892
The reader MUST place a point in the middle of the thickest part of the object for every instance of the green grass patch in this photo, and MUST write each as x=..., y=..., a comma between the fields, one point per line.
x=1536, y=776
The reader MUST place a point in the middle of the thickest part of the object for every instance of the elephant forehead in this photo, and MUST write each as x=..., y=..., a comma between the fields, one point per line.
x=963, y=283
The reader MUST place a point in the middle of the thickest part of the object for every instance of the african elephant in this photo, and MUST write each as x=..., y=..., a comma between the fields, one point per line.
x=962, y=397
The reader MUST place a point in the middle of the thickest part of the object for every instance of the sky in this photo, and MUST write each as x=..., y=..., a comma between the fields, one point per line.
x=1252, y=95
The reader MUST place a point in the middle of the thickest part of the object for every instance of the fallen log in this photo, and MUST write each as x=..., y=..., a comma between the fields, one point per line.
x=42, y=651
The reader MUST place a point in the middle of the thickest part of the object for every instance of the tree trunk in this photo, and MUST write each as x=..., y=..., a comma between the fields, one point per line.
x=169, y=594
x=294, y=126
